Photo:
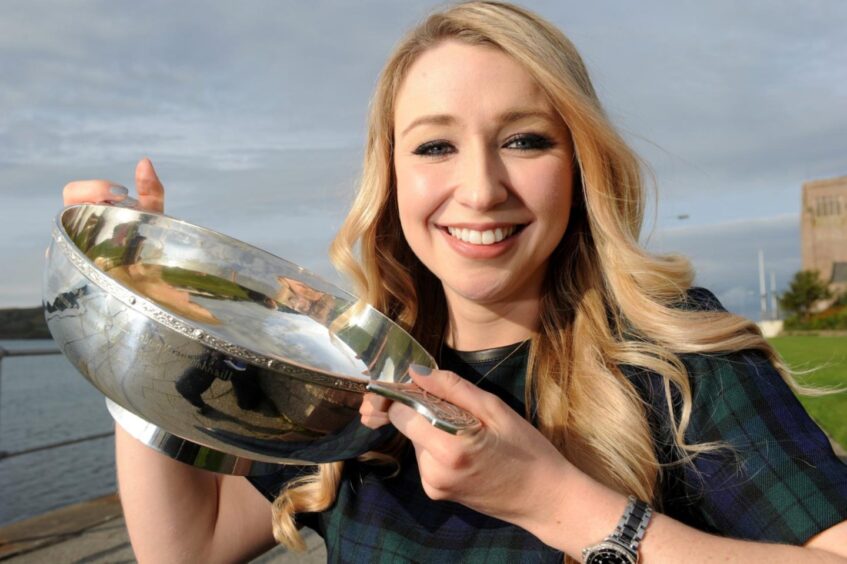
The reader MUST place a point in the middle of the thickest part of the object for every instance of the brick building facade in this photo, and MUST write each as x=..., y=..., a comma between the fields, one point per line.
x=824, y=229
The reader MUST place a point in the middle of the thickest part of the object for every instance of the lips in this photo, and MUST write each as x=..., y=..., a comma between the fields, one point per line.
x=483, y=237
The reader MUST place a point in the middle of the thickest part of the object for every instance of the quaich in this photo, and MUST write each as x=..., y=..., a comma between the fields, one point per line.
x=220, y=354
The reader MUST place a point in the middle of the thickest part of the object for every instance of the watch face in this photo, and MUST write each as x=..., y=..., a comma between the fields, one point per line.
x=608, y=555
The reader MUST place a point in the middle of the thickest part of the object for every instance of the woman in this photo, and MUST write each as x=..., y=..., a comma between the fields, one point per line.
x=499, y=213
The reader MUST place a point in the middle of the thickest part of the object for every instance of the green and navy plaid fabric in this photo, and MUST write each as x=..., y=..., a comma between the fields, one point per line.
x=776, y=480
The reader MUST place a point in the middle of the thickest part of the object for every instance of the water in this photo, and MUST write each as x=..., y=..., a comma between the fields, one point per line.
x=43, y=400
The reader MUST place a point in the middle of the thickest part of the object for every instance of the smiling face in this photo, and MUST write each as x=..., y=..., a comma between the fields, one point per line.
x=484, y=173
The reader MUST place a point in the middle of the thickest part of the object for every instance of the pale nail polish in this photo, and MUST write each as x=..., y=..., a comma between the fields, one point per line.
x=118, y=190
x=420, y=369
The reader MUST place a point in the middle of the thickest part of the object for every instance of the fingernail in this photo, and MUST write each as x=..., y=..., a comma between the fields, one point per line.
x=420, y=369
x=118, y=190
x=152, y=169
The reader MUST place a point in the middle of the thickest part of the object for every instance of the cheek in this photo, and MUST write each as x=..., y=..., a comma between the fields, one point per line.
x=420, y=190
x=549, y=192
x=559, y=203
x=406, y=205
x=411, y=188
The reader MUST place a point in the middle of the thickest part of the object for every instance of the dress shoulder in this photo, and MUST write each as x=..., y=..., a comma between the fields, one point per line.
x=700, y=299
x=772, y=475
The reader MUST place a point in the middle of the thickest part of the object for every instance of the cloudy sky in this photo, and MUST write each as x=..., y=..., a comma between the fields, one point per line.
x=253, y=113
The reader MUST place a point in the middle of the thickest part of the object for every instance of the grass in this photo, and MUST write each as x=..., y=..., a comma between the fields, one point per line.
x=825, y=359
x=206, y=283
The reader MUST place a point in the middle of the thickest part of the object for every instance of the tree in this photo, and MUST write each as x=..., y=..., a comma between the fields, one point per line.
x=805, y=289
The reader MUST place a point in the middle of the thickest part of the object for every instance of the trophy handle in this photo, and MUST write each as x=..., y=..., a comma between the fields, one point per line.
x=442, y=414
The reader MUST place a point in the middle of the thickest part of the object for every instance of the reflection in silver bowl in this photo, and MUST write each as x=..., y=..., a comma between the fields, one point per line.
x=218, y=353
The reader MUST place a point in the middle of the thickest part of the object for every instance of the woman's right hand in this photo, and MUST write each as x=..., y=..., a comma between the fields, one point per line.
x=151, y=193
x=173, y=511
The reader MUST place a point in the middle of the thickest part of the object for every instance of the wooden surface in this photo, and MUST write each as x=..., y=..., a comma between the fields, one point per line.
x=94, y=531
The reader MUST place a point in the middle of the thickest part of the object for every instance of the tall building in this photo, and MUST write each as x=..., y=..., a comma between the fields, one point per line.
x=824, y=229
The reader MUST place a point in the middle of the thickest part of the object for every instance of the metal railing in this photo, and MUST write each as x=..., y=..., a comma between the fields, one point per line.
x=4, y=352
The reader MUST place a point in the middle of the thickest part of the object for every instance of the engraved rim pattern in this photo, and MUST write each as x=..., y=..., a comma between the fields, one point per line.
x=156, y=313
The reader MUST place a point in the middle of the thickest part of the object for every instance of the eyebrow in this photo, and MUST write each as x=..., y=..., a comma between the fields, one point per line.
x=517, y=115
x=504, y=118
x=435, y=119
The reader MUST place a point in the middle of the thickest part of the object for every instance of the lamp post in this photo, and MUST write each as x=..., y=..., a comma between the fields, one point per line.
x=774, y=301
x=763, y=293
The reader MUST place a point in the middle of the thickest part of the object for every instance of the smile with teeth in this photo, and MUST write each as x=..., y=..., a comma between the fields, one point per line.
x=487, y=237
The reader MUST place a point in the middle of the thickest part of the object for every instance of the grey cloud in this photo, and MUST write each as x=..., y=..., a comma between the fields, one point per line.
x=292, y=209
x=254, y=113
x=725, y=256
x=294, y=65
x=739, y=100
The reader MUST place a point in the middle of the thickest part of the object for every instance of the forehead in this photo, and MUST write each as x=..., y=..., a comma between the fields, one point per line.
x=460, y=79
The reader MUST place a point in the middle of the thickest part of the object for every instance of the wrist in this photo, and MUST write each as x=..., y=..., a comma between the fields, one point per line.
x=578, y=512
x=621, y=546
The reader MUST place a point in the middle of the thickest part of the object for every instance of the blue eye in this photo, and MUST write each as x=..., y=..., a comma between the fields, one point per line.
x=434, y=149
x=528, y=142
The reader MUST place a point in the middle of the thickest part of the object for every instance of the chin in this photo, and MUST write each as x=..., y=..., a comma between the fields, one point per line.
x=477, y=292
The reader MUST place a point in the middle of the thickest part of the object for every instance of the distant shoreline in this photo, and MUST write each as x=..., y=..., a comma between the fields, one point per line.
x=23, y=323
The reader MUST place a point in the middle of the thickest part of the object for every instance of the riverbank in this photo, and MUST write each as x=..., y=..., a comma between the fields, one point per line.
x=94, y=532
x=23, y=323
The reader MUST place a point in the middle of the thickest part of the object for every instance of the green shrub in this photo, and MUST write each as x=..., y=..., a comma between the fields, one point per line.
x=833, y=319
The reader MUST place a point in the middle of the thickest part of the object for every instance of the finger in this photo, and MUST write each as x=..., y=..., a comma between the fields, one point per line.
x=151, y=193
x=451, y=387
x=404, y=418
x=428, y=468
x=376, y=402
x=451, y=451
x=93, y=191
x=374, y=410
x=419, y=430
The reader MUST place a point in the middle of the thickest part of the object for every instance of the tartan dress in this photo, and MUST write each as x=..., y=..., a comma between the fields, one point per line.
x=778, y=479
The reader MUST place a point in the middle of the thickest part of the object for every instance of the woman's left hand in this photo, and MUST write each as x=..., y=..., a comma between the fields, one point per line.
x=506, y=468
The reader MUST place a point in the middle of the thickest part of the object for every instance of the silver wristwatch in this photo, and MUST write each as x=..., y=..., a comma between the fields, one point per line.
x=621, y=547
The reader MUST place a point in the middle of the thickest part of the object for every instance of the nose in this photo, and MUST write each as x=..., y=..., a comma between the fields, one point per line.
x=482, y=182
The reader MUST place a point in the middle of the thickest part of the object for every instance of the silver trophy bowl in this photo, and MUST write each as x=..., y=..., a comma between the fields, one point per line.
x=217, y=353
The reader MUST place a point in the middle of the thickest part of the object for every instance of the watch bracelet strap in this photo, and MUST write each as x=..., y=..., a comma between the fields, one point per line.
x=633, y=524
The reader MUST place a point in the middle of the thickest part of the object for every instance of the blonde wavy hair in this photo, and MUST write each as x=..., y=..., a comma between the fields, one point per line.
x=606, y=302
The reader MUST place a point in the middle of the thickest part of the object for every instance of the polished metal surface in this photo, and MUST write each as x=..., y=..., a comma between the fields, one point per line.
x=204, y=342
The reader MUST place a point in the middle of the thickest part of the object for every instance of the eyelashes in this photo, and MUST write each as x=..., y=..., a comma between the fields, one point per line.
x=529, y=142
x=437, y=148
x=523, y=142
